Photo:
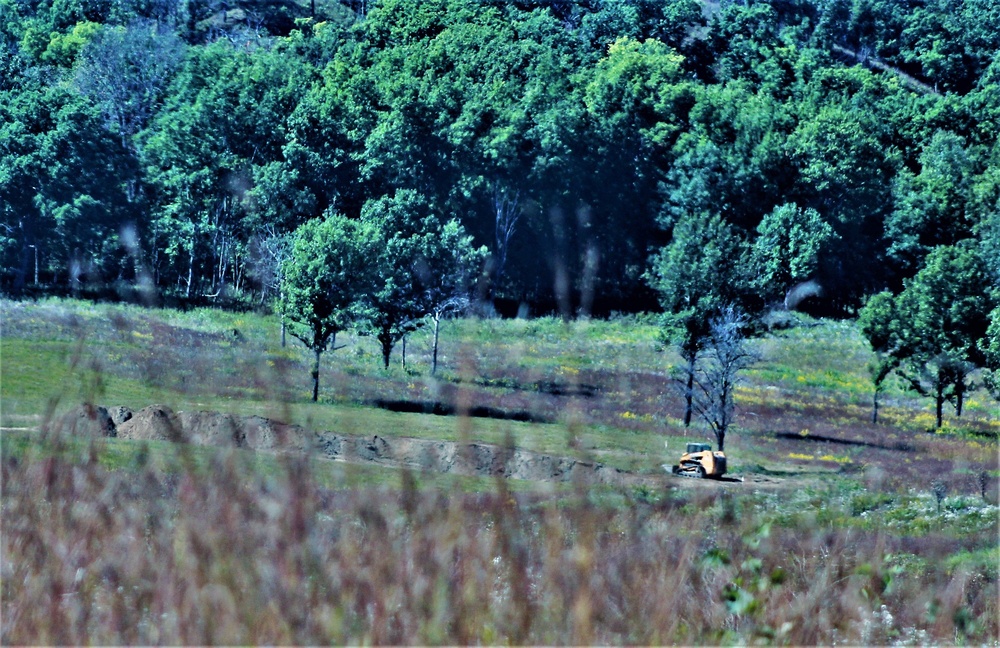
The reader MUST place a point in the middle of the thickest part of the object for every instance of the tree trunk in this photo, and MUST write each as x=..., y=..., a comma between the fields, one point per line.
x=404, y=353
x=190, y=278
x=875, y=407
x=237, y=274
x=689, y=393
x=939, y=403
x=720, y=436
x=386, y=341
x=315, y=375
x=20, y=276
x=281, y=299
x=155, y=261
x=434, y=353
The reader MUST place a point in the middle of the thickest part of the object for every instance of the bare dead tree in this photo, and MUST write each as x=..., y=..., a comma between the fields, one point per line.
x=725, y=355
x=507, y=208
x=125, y=70
x=268, y=252
x=450, y=305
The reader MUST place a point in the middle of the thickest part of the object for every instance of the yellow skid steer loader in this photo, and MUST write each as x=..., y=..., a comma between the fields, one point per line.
x=699, y=461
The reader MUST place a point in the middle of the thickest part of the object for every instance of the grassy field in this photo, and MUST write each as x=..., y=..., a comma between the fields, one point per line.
x=841, y=532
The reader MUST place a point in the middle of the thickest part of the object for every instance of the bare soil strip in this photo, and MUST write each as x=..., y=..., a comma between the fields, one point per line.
x=160, y=423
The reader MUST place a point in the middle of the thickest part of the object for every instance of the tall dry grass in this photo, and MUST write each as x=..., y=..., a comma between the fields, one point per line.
x=227, y=555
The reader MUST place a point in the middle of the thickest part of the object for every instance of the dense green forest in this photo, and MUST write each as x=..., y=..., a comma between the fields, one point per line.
x=589, y=146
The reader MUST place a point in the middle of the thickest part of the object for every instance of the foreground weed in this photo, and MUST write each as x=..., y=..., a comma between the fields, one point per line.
x=211, y=548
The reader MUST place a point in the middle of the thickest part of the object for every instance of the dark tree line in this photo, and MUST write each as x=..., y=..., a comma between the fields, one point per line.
x=161, y=142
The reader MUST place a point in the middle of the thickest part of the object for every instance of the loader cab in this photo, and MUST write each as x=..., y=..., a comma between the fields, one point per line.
x=698, y=447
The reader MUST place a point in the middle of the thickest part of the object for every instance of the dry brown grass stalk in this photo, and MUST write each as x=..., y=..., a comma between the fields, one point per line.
x=224, y=555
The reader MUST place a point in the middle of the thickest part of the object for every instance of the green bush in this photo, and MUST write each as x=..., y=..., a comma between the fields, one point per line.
x=869, y=501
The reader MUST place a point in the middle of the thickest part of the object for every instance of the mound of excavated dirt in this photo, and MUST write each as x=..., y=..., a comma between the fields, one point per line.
x=87, y=420
x=473, y=459
x=153, y=423
x=259, y=433
x=160, y=423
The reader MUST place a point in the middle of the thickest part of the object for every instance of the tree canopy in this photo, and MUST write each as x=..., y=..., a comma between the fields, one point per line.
x=574, y=140
x=417, y=264
x=935, y=332
x=325, y=279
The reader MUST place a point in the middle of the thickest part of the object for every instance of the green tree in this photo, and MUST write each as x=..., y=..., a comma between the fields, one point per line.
x=448, y=274
x=695, y=276
x=64, y=49
x=986, y=205
x=419, y=264
x=879, y=322
x=785, y=252
x=325, y=278
x=743, y=38
x=951, y=44
x=732, y=159
x=63, y=180
x=990, y=346
x=474, y=104
x=637, y=99
x=843, y=170
x=932, y=207
x=214, y=155
x=933, y=332
x=667, y=21
x=947, y=307
x=323, y=153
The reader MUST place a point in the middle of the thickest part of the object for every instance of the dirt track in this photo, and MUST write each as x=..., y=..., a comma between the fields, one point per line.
x=160, y=423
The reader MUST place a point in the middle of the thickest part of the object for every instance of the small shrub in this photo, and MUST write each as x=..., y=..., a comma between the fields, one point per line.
x=866, y=501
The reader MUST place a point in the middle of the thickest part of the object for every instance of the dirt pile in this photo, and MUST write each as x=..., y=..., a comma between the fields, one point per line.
x=472, y=459
x=87, y=420
x=153, y=423
x=161, y=423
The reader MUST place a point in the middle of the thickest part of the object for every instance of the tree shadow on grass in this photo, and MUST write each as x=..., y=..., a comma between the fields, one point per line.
x=819, y=438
